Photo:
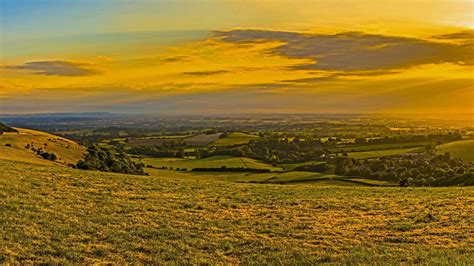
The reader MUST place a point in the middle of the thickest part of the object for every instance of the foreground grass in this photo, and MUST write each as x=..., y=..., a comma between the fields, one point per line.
x=55, y=214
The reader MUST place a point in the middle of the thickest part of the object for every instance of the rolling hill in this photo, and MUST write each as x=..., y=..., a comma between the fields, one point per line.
x=234, y=138
x=60, y=215
x=18, y=146
x=211, y=162
x=463, y=149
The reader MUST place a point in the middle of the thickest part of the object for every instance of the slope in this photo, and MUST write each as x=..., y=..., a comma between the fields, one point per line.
x=18, y=146
x=463, y=149
x=60, y=215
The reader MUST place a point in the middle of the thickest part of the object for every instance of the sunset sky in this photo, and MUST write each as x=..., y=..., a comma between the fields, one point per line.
x=236, y=56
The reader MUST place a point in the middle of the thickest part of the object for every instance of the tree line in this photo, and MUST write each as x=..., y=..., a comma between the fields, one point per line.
x=410, y=170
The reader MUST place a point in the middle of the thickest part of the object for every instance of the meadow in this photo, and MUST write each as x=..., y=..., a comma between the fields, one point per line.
x=234, y=138
x=463, y=149
x=211, y=162
x=373, y=147
x=53, y=214
x=381, y=153
x=202, y=139
x=13, y=146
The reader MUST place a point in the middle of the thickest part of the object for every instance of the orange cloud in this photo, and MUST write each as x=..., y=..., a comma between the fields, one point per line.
x=57, y=68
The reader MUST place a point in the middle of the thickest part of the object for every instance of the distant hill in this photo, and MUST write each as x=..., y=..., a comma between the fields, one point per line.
x=22, y=145
x=46, y=115
x=463, y=149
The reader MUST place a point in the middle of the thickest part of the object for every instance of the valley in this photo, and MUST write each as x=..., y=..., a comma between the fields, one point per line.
x=235, y=196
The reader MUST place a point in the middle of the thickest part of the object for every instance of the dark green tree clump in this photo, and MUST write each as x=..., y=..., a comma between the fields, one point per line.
x=107, y=160
x=318, y=168
x=4, y=128
x=48, y=156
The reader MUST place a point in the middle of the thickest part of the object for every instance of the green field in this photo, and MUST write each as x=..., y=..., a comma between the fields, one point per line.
x=297, y=177
x=211, y=162
x=463, y=149
x=372, y=147
x=380, y=153
x=291, y=166
x=52, y=214
x=235, y=138
x=202, y=139
x=293, y=177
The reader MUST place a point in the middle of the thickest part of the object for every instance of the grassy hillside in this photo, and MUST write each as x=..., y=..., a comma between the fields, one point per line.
x=211, y=162
x=463, y=149
x=373, y=147
x=381, y=153
x=291, y=166
x=294, y=177
x=202, y=139
x=13, y=147
x=57, y=215
x=234, y=138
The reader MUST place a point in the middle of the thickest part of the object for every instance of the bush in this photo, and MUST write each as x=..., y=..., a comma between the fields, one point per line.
x=48, y=156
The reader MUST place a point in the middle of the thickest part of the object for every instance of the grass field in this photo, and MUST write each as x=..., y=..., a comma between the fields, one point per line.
x=294, y=177
x=380, y=153
x=463, y=149
x=291, y=166
x=152, y=141
x=68, y=152
x=202, y=139
x=52, y=214
x=148, y=142
x=235, y=138
x=372, y=147
x=211, y=162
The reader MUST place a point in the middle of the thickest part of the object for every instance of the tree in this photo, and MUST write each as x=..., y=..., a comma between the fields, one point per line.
x=339, y=168
x=4, y=128
x=106, y=160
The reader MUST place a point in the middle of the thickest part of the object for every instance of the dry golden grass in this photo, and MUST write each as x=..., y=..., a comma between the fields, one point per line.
x=56, y=214
x=67, y=151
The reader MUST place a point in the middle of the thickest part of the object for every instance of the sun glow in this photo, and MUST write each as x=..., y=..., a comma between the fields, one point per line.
x=276, y=51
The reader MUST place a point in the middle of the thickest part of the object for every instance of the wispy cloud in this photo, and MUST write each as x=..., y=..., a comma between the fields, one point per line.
x=206, y=73
x=339, y=76
x=467, y=36
x=172, y=59
x=355, y=51
x=57, y=68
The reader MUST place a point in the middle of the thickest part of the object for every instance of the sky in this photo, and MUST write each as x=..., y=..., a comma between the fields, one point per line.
x=237, y=56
